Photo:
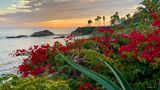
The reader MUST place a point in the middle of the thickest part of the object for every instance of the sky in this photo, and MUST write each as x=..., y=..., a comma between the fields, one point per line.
x=60, y=13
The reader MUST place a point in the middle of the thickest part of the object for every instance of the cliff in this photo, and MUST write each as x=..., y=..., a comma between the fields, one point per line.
x=80, y=31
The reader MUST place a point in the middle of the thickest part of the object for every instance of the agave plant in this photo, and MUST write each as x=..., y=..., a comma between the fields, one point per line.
x=106, y=83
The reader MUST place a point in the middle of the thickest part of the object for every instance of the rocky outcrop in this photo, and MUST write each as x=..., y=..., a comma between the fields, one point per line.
x=42, y=33
x=58, y=37
x=83, y=31
x=80, y=31
x=19, y=36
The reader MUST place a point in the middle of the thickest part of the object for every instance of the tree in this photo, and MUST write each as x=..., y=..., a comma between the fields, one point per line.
x=104, y=19
x=128, y=16
x=149, y=6
x=123, y=19
x=116, y=16
x=90, y=22
x=99, y=20
x=96, y=20
x=114, y=19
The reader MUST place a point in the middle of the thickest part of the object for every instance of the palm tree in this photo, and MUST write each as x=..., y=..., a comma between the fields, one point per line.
x=99, y=20
x=90, y=22
x=104, y=19
x=128, y=16
x=114, y=18
x=96, y=20
x=149, y=6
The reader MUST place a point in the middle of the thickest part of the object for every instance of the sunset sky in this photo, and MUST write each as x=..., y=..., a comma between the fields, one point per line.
x=60, y=13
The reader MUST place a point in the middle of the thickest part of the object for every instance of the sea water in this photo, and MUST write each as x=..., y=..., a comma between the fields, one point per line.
x=8, y=63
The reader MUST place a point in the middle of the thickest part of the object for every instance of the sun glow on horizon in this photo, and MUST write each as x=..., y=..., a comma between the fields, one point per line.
x=64, y=23
x=50, y=13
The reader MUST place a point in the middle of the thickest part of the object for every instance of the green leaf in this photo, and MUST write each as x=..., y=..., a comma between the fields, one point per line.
x=123, y=82
x=107, y=84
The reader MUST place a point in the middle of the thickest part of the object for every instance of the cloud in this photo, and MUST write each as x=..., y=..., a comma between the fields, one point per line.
x=3, y=19
x=46, y=10
x=21, y=6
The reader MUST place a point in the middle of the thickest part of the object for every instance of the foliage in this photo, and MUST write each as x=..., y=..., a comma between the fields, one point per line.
x=107, y=84
x=118, y=75
x=13, y=82
x=134, y=53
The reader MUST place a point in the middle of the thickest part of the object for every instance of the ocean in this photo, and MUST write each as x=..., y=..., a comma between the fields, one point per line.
x=8, y=63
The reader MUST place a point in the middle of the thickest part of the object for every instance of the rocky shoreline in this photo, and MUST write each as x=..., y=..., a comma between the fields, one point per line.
x=80, y=31
x=38, y=34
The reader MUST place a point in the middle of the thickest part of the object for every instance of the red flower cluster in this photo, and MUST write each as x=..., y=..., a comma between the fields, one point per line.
x=52, y=70
x=106, y=30
x=69, y=38
x=145, y=46
x=20, y=52
x=60, y=47
x=154, y=15
x=105, y=40
x=138, y=45
x=24, y=67
x=38, y=70
x=37, y=62
x=156, y=20
x=86, y=86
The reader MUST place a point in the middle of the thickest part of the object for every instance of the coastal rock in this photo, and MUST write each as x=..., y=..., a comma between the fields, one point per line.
x=80, y=31
x=58, y=37
x=42, y=33
x=19, y=36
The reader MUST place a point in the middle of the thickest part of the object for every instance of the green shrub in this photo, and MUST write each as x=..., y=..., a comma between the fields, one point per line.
x=13, y=82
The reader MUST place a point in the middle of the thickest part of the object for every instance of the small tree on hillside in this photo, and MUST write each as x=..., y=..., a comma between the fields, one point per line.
x=104, y=19
x=90, y=22
x=114, y=19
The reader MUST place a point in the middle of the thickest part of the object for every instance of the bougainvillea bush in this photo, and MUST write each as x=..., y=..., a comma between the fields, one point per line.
x=135, y=54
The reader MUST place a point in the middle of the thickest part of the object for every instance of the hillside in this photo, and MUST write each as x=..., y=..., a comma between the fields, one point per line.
x=87, y=30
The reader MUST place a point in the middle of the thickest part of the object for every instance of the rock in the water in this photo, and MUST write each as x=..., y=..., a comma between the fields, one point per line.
x=42, y=33
x=19, y=36
x=58, y=37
